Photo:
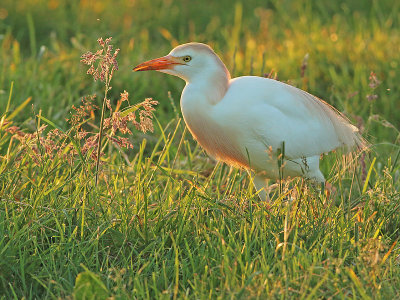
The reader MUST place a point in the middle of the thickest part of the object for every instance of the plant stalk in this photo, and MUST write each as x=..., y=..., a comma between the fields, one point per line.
x=103, y=109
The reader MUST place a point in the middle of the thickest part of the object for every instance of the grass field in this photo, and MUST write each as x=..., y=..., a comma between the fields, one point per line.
x=165, y=221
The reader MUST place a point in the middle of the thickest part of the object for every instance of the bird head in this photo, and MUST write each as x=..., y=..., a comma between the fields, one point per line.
x=187, y=61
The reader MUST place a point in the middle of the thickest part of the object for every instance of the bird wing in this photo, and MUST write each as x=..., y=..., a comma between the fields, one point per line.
x=272, y=112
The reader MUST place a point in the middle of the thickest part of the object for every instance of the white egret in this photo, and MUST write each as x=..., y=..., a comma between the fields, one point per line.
x=247, y=121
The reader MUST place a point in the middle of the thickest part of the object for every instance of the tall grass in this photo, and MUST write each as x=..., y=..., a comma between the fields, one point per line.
x=165, y=221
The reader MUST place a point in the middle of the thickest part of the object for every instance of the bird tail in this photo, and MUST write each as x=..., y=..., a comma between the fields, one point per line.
x=349, y=135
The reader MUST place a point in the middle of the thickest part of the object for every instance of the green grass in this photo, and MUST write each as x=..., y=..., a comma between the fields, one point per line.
x=165, y=221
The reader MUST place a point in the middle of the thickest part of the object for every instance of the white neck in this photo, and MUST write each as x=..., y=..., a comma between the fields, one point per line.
x=205, y=89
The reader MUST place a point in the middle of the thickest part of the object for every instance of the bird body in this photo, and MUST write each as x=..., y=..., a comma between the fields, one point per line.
x=247, y=121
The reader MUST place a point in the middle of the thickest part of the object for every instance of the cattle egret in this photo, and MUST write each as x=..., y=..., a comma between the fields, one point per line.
x=247, y=121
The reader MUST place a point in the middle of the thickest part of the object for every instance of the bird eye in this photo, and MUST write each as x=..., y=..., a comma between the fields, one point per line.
x=187, y=58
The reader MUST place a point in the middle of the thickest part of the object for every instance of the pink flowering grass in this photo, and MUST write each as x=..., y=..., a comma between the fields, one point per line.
x=82, y=144
x=103, y=63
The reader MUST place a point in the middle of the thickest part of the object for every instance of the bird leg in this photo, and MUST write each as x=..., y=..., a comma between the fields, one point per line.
x=330, y=190
x=323, y=187
x=260, y=184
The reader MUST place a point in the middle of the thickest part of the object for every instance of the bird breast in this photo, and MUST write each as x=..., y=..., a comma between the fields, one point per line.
x=217, y=140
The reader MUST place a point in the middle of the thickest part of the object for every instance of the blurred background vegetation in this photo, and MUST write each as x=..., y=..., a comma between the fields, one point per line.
x=41, y=42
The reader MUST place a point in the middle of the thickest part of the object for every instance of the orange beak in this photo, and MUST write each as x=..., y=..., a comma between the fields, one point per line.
x=165, y=62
